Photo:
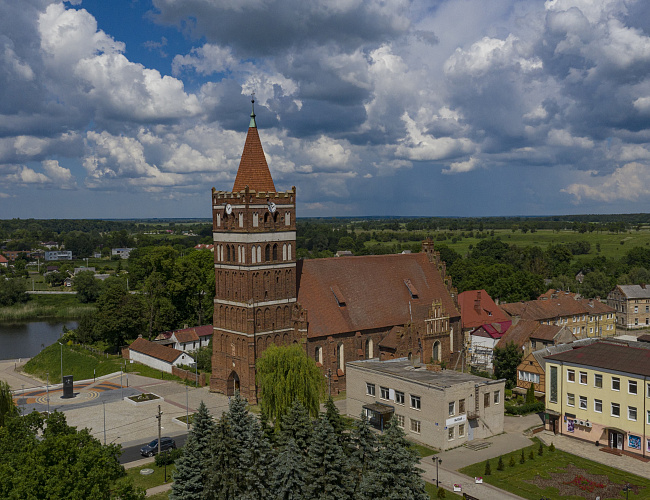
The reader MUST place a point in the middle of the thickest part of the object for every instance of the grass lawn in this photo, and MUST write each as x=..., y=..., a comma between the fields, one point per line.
x=433, y=492
x=423, y=451
x=514, y=478
x=155, y=479
x=160, y=496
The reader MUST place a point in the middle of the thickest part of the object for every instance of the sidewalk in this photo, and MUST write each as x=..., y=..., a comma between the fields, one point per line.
x=590, y=451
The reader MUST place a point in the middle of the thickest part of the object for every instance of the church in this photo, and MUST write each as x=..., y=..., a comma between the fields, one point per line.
x=338, y=309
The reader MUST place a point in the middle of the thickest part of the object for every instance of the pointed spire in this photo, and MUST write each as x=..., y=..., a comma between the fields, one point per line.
x=253, y=170
x=252, y=123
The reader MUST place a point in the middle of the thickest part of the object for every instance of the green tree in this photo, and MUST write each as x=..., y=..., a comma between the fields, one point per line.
x=395, y=474
x=285, y=374
x=488, y=469
x=530, y=394
x=225, y=475
x=505, y=361
x=188, y=476
x=328, y=471
x=363, y=444
x=12, y=291
x=296, y=425
x=88, y=288
x=597, y=284
x=500, y=464
x=289, y=473
x=336, y=421
x=7, y=406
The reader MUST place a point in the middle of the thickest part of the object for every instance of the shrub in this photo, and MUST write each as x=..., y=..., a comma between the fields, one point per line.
x=168, y=457
x=508, y=393
x=524, y=409
x=488, y=469
x=540, y=450
x=531, y=455
x=512, y=461
x=500, y=465
x=551, y=448
x=522, y=459
x=441, y=493
x=530, y=394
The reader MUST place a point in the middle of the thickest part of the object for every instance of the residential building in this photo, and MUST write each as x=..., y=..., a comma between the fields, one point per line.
x=187, y=339
x=443, y=409
x=157, y=356
x=529, y=335
x=78, y=270
x=3, y=261
x=583, y=317
x=632, y=305
x=482, y=342
x=601, y=393
x=58, y=255
x=339, y=309
x=122, y=253
x=12, y=255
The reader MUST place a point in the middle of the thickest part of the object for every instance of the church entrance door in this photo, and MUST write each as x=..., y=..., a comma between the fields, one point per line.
x=233, y=384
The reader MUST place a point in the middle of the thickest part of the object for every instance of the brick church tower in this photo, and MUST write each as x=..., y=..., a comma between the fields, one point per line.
x=254, y=229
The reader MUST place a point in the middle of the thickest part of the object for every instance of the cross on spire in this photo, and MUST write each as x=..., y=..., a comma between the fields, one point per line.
x=252, y=123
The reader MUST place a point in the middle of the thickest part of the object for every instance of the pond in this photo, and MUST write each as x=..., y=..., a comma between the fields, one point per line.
x=25, y=340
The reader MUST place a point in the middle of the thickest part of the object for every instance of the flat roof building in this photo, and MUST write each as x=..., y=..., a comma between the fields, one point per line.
x=443, y=409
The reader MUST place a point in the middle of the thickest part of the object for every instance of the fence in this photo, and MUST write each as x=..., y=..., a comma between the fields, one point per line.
x=188, y=375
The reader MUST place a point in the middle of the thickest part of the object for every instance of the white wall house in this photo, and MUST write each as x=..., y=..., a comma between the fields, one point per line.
x=158, y=356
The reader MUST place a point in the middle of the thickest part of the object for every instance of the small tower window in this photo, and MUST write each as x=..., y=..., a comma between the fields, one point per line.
x=287, y=219
x=275, y=252
x=241, y=219
x=267, y=253
x=256, y=219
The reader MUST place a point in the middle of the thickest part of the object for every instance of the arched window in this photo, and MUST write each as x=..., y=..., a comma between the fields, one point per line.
x=259, y=253
x=275, y=251
x=369, y=349
x=253, y=260
x=340, y=357
x=318, y=355
x=284, y=251
x=227, y=252
x=289, y=251
x=436, y=351
x=267, y=253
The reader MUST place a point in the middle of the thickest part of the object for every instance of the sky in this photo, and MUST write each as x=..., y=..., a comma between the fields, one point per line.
x=138, y=108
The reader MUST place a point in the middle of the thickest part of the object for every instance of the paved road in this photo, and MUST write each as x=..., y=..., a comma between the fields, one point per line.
x=132, y=453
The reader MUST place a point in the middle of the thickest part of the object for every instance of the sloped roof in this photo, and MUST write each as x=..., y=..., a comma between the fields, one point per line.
x=3, y=259
x=492, y=330
x=168, y=354
x=192, y=333
x=253, y=170
x=561, y=306
x=635, y=291
x=609, y=356
x=526, y=329
x=375, y=292
x=477, y=308
x=555, y=349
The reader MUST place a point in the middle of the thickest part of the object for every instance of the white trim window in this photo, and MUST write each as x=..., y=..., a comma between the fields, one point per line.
x=616, y=384
x=415, y=426
x=616, y=410
x=384, y=392
x=570, y=399
x=400, y=420
x=598, y=405
x=631, y=413
x=450, y=434
x=415, y=402
x=570, y=375
x=598, y=380
x=452, y=408
x=583, y=378
x=583, y=402
x=647, y=418
x=631, y=387
x=497, y=397
x=399, y=397
x=370, y=389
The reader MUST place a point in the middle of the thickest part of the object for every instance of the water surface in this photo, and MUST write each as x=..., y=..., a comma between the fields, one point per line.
x=25, y=340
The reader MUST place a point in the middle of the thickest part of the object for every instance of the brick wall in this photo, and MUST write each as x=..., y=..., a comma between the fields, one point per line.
x=188, y=375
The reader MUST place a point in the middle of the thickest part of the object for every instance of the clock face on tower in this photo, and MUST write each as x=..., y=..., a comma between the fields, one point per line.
x=271, y=207
x=228, y=209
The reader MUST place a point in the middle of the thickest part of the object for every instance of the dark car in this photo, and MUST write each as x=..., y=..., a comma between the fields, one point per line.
x=149, y=450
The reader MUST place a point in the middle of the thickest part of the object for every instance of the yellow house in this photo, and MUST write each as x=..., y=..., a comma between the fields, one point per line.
x=601, y=393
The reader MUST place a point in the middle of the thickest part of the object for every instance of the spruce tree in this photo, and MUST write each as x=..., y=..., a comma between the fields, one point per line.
x=188, y=476
x=488, y=469
x=256, y=460
x=289, y=473
x=501, y=465
x=296, y=424
x=202, y=428
x=512, y=461
x=540, y=450
x=328, y=470
x=531, y=455
x=334, y=416
x=551, y=448
x=395, y=473
x=225, y=474
x=441, y=493
x=530, y=394
x=363, y=446
x=522, y=459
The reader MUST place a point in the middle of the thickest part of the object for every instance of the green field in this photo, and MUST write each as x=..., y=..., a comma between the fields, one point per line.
x=432, y=490
x=55, y=306
x=514, y=479
x=151, y=480
x=610, y=243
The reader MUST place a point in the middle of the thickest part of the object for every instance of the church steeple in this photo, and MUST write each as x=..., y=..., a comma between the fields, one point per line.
x=253, y=170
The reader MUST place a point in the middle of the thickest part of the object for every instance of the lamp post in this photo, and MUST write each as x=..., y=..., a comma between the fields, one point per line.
x=627, y=489
x=61, y=361
x=438, y=461
x=48, y=393
x=187, y=407
x=104, y=406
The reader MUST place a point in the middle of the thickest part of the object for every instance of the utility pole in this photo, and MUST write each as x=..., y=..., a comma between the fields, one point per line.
x=48, y=393
x=159, y=417
x=187, y=407
x=104, y=406
x=329, y=379
x=121, y=386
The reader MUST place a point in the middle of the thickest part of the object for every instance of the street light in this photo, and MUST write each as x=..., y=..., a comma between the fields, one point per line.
x=627, y=489
x=438, y=461
x=61, y=361
x=48, y=393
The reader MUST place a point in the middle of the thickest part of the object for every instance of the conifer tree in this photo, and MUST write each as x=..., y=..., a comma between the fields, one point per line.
x=188, y=476
x=395, y=474
x=225, y=475
x=500, y=465
x=551, y=448
x=488, y=469
x=531, y=455
x=328, y=470
x=522, y=459
x=441, y=493
x=363, y=446
x=202, y=428
x=289, y=473
x=334, y=416
x=540, y=450
x=256, y=460
x=512, y=461
x=530, y=394
x=296, y=424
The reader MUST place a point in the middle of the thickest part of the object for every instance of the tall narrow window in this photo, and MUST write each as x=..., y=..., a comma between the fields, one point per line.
x=340, y=357
x=369, y=349
x=553, y=398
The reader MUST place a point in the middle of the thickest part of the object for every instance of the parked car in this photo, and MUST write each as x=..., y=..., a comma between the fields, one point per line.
x=166, y=443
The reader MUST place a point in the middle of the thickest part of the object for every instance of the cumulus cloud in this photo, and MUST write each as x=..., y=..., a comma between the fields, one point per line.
x=420, y=146
x=629, y=182
x=462, y=166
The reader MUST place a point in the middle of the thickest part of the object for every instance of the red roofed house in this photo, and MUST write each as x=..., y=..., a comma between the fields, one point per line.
x=190, y=339
x=157, y=356
x=530, y=336
x=339, y=310
x=3, y=261
x=483, y=324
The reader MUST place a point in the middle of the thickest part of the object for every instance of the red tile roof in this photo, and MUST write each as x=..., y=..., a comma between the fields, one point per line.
x=477, y=308
x=527, y=329
x=608, y=356
x=168, y=354
x=3, y=260
x=561, y=306
x=192, y=333
x=253, y=170
x=374, y=291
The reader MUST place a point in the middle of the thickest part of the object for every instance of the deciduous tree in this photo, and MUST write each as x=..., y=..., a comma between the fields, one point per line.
x=505, y=362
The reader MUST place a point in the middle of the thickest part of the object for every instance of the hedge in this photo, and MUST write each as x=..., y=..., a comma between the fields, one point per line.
x=525, y=408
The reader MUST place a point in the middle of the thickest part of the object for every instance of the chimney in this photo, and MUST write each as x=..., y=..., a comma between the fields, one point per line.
x=643, y=285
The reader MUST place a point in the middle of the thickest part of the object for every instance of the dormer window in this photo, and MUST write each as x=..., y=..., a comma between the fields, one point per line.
x=411, y=288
